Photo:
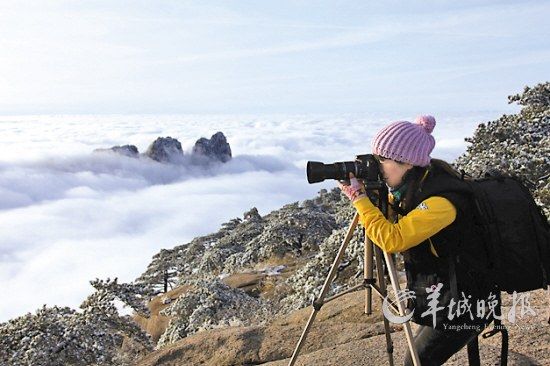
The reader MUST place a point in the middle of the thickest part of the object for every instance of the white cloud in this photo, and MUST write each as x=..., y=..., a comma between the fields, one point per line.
x=108, y=173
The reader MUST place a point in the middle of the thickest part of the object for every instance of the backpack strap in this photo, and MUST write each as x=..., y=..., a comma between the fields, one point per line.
x=498, y=327
x=453, y=259
x=473, y=352
x=452, y=273
x=473, y=345
x=397, y=209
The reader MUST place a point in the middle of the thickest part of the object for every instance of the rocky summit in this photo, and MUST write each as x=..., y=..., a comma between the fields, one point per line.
x=215, y=148
x=169, y=150
x=165, y=150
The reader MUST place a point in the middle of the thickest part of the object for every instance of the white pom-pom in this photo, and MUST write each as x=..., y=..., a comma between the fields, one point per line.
x=427, y=122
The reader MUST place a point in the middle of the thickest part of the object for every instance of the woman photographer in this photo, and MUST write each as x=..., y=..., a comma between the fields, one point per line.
x=434, y=235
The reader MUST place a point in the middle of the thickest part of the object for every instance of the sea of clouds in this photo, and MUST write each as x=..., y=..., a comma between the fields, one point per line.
x=68, y=215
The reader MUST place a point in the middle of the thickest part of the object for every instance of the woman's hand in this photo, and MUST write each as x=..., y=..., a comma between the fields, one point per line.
x=354, y=190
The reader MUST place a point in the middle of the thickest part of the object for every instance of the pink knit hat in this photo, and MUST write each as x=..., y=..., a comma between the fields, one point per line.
x=406, y=141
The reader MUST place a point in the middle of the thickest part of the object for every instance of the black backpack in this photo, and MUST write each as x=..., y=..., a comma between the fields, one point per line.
x=516, y=231
x=516, y=238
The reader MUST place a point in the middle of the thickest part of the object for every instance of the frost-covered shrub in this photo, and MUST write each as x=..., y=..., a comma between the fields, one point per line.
x=64, y=336
x=211, y=304
x=516, y=143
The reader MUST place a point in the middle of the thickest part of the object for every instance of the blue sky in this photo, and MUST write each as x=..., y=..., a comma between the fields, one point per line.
x=269, y=56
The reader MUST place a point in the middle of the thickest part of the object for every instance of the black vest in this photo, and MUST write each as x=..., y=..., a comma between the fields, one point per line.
x=459, y=250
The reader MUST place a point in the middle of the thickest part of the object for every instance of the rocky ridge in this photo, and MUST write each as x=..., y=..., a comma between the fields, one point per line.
x=169, y=150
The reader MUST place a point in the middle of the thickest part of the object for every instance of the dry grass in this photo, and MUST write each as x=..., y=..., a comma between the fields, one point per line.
x=156, y=324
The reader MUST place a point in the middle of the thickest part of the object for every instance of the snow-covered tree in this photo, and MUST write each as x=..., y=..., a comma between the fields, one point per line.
x=211, y=304
x=516, y=143
x=162, y=271
x=64, y=336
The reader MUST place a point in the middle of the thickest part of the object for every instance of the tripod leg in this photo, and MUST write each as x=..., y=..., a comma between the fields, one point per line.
x=369, y=274
x=396, y=289
x=473, y=353
x=318, y=303
x=382, y=283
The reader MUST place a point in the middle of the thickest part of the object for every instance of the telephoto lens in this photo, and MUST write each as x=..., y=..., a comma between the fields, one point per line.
x=363, y=167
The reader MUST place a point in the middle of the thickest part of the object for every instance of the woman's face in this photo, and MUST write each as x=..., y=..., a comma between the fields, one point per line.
x=393, y=171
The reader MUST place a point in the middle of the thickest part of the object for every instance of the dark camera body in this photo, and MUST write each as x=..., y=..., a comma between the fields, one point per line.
x=364, y=167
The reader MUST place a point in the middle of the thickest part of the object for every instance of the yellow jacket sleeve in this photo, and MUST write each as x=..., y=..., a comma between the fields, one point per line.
x=424, y=221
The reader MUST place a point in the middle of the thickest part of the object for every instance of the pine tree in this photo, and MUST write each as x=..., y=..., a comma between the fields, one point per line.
x=161, y=272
